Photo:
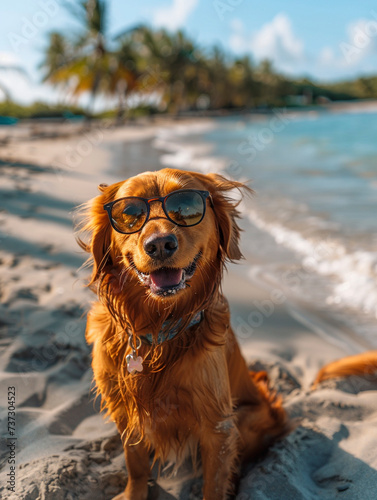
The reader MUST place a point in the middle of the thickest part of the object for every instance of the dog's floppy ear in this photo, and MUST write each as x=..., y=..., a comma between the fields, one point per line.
x=226, y=213
x=102, y=187
x=96, y=226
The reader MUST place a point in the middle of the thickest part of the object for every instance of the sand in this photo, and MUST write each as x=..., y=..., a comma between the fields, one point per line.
x=64, y=447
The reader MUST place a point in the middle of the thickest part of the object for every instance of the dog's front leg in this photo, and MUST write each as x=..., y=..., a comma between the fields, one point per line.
x=219, y=457
x=137, y=462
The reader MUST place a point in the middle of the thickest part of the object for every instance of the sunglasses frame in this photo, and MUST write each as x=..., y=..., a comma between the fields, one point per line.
x=204, y=195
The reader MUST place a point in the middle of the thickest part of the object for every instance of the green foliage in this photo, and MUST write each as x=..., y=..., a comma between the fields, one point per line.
x=169, y=65
x=137, y=112
x=361, y=88
x=86, y=62
x=40, y=110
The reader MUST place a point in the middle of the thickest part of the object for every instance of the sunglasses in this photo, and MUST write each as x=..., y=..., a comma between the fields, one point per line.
x=185, y=208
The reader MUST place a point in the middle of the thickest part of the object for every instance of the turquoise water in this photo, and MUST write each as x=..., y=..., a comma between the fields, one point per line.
x=326, y=161
x=314, y=213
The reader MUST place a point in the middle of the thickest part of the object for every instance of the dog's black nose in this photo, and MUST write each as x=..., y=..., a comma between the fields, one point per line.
x=161, y=247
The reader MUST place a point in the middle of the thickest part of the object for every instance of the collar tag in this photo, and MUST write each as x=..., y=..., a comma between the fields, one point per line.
x=134, y=362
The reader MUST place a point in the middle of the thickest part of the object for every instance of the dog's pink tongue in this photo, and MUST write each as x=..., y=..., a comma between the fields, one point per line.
x=164, y=278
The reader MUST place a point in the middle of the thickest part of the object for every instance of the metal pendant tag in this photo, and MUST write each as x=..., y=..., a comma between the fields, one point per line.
x=134, y=362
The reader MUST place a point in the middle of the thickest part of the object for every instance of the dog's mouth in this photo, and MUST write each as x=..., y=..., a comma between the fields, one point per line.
x=168, y=280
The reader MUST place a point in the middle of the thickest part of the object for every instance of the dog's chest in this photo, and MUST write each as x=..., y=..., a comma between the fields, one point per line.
x=172, y=412
x=172, y=428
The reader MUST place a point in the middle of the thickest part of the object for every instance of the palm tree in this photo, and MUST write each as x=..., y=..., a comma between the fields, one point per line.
x=269, y=83
x=86, y=63
x=133, y=55
x=58, y=55
x=246, y=88
x=142, y=61
x=171, y=64
x=219, y=87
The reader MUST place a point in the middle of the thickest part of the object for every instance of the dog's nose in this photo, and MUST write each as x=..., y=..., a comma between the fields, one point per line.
x=161, y=247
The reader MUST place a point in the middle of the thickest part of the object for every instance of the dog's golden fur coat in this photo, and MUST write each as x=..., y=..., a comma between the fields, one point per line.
x=195, y=391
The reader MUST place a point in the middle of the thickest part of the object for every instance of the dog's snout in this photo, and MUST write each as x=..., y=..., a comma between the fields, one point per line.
x=161, y=247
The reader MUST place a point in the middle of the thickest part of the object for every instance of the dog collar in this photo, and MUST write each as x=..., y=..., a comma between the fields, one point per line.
x=134, y=361
x=163, y=337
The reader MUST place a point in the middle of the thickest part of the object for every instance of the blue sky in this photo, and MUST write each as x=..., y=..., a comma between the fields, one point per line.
x=325, y=40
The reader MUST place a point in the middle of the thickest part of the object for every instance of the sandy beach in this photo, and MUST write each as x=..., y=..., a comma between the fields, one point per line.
x=65, y=450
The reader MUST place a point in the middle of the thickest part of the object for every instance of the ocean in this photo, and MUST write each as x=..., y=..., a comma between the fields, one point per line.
x=310, y=230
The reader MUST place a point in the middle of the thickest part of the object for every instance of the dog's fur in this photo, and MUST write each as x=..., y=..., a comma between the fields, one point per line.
x=195, y=392
x=362, y=365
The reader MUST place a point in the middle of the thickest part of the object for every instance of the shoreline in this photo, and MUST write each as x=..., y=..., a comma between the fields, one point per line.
x=28, y=129
x=65, y=448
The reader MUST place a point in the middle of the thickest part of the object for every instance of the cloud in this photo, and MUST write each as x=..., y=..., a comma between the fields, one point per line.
x=238, y=40
x=8, y=59
x=362, y=41
x=174, y=16
x=326, y=56
x=356, y=53
x=25, y=91
x=275, y=41
x=19, y=85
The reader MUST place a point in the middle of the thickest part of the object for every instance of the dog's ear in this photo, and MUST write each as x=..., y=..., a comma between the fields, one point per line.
x=102, y=187
x=226, y=213
x=95, y=228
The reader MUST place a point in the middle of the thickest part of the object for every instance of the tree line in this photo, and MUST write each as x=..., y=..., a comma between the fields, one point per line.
x=169, y=72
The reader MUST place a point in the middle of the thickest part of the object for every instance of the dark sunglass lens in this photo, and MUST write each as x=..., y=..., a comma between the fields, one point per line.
x=129, y=215
x=185, y=208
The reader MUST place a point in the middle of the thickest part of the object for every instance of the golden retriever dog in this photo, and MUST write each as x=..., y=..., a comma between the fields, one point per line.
x=166, y=361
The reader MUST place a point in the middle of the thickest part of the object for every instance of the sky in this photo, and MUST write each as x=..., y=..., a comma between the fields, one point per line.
x=323, y=40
